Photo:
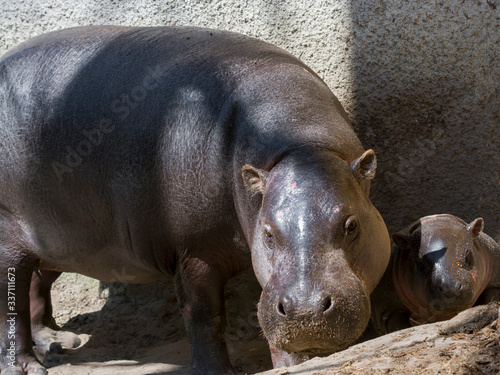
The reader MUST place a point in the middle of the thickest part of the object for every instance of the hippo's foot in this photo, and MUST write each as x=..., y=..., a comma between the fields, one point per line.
x=25, y=364
x=55, y=341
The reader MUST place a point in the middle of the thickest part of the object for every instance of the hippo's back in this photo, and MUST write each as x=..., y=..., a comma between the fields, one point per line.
x=121, y=90
x=133, y=134
x=111, y=131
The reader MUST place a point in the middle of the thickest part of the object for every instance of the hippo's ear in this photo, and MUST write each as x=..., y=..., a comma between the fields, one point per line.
x=254, y=179
x=476, y=227
x=403, y=241
x=364, y=167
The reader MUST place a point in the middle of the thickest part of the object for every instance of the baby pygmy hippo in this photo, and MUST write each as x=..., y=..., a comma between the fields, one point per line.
x=439, y=266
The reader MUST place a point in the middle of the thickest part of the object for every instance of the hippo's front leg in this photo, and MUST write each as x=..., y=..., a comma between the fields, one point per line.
x=47, y=335
x=200, y=291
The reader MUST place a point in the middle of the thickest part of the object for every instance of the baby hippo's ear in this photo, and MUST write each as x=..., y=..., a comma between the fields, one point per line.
x=254, y=179
x=476, y=227
x=403, y=241
x=365, y=166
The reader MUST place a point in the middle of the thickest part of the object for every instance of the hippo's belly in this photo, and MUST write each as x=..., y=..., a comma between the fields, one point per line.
x=111, y=264
x=106, y=246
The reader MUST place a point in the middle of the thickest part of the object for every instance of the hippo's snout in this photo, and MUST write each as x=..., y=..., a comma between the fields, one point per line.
x=313, y=322
x=320, y=307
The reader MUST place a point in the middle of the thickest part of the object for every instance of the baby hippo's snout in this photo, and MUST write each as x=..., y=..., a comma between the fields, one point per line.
x=450, y=295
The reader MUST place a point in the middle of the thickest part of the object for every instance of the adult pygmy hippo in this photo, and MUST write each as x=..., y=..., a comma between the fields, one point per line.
x=439, y=266
x=136, y=153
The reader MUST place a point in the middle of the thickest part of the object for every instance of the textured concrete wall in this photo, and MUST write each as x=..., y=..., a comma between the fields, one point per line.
x=419, y=79
x=426, y=96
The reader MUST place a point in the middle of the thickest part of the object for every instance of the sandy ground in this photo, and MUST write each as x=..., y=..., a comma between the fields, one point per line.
x=138, y=330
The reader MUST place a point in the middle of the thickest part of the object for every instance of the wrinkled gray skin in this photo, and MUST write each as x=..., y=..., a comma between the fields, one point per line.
x=439, y=266
x=132, y=154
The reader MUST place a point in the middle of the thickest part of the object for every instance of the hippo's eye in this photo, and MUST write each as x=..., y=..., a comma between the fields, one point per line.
x=350, y=225
x=268, y=232
x=469, y=260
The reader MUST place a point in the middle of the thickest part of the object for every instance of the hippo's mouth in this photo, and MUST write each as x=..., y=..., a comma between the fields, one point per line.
x=303, y=343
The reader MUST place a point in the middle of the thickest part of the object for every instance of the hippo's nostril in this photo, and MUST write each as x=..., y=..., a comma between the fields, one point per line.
x=281, y=309
x=439, y=287
x=327, y=304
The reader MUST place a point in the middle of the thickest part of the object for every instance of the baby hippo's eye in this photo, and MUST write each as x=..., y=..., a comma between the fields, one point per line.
x=469, y=259
x=350, y=225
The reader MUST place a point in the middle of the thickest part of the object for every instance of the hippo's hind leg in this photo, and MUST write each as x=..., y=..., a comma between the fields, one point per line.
x=47, y=335
x=200, y=292
x=17, y=263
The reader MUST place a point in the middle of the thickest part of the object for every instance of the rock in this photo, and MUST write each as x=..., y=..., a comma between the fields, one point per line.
x=466, y=344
